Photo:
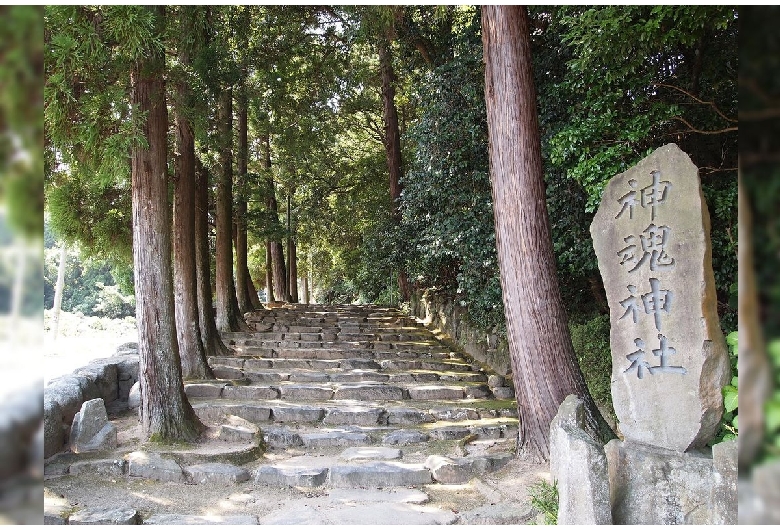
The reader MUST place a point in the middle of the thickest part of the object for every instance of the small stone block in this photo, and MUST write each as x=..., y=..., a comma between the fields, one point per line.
x=149, y=465
x=435, y=392
x=203, y=390
x=105, y=467
x=404, y=437
x=379, y=474
x=107, y=517
x=216, y=473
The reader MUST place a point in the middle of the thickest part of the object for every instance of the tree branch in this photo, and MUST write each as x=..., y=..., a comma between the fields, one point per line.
x=710, y=103
x=692, y=129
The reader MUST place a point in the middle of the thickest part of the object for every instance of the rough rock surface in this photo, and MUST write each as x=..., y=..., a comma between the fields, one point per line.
x=650, y=485
x=579, y=465
x=91, y=430
x=652, y=239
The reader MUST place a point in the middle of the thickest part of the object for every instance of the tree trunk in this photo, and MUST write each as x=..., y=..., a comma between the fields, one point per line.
x=306, y=288
x=228, y=315
x=392, y=142
x=269, y=273
x=242, y=271
x=544, y=367
x=280, y=271
x=277, y=254
x=193, y=356
x=58, y=291
x=252, y=293
x=166, y=414
x=292, y=258
x=212, y=343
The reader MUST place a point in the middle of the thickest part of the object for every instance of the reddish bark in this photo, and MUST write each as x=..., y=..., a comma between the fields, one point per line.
x=166, y=414
x=544, y=367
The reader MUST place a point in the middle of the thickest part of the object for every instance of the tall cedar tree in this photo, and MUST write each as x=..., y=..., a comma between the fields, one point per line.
x=165, y=412
x=212, y=343
x=544, y=367
x=228, y=315
x=193, y=355
x=243, y=279
x=392, y=141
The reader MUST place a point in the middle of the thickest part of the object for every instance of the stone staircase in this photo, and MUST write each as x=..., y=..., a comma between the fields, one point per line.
x=336, y=401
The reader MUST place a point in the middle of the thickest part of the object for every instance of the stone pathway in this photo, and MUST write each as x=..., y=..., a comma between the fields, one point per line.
x=323, y=415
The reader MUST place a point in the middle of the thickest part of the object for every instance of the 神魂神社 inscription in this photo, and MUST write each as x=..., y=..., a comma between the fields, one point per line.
x=651, y=235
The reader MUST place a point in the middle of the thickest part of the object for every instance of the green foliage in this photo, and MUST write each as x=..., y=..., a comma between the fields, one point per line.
x=446, y=239
x=544, y=498
x=729, y=423
x=90, y=286
x=21, y=109
x=591, y=347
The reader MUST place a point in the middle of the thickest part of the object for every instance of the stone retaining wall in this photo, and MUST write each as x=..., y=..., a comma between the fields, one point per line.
x=441, y=312
x=110, y=379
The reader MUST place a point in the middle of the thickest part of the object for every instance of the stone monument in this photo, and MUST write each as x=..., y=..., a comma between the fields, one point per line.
x=669, y=360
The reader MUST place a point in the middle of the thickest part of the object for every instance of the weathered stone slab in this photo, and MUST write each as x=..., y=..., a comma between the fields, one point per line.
x=170, y=519
x=236, y=433
x=203, y=390
x=100, y=517
x=306, y=392
x=227, y=372
x=651, y=485
x=149, y=465
x=370, y=453
x=354, y=416
x=281, y=438
x=105, y=467
x=68, y=392
x=293, y=413
x=450, y=470
x=309, y=376
x=579, y=465
x=369, y=392
x=404, y=437
x=459, y=414
x=213, y=412
x=379, y=474
x=359, y=364
x=334, y=438
x=504, y=392
x=104, y=375
x=91, y=430
x=238, y=362
x=406, y=416
x=292, y=473
x=724, y=491
x=354, y=376
x=450, y=432
x=434, y=392
x=669, y=361
x=250, y=392
x=216, y=473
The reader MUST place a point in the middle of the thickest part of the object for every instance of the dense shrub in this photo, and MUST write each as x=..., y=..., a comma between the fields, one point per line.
x=590, y=339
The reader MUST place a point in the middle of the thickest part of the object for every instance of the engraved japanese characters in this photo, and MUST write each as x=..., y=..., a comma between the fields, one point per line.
x=669, y=361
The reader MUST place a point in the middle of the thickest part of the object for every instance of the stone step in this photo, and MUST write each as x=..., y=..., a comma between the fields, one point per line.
x=394, y=364
x=366, y=387
x=442, y=421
